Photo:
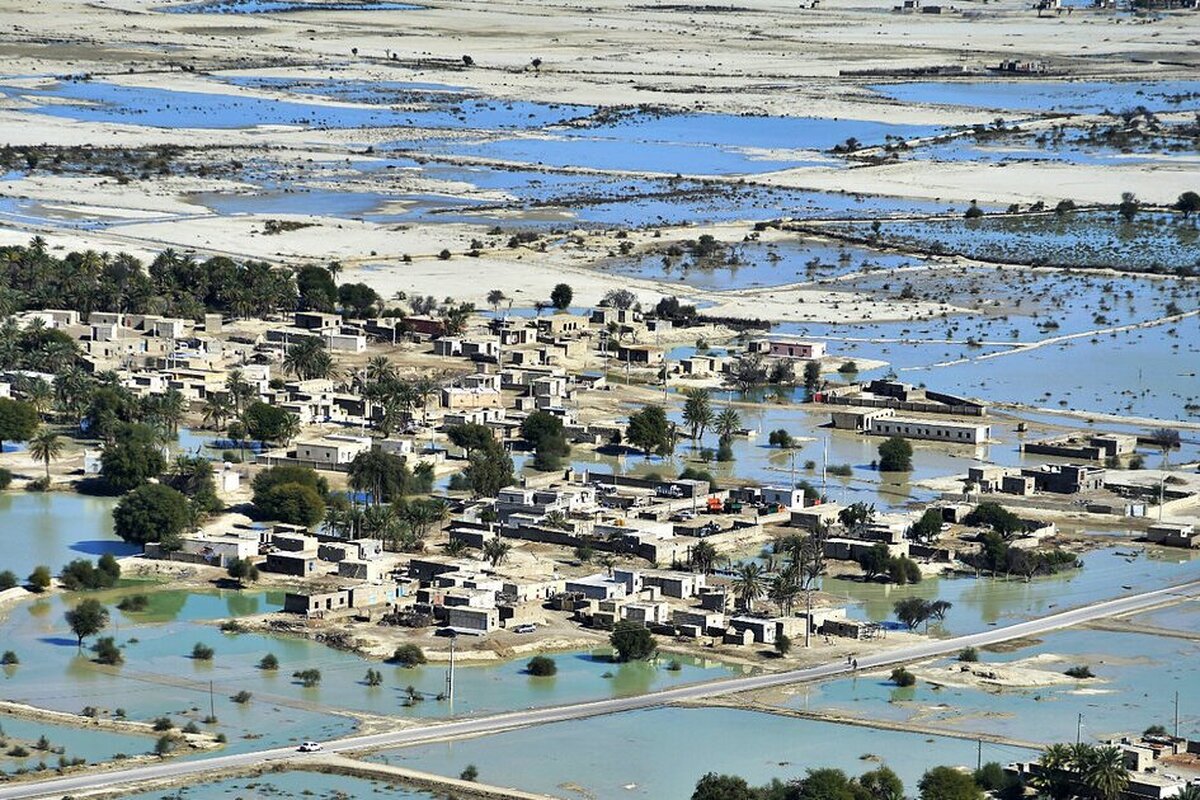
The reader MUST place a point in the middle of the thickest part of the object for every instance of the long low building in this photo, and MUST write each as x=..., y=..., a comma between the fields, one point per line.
x=932, y=430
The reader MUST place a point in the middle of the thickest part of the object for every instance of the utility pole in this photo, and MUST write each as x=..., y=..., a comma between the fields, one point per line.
x=450, y=674
x=1079, y=730
x=1177, y=714
x=212, y=707
x=824, y=466
x=979, y=755
x=808, y=618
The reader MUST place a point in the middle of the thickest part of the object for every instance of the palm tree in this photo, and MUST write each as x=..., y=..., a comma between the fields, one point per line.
x=1053, y=779
x=335, y=269
x=217, y=409
x=495, y=550
x=703, y=557
x=494, y=298
x=697, y=412
x=380, y=369
x=728, y=423
x=45, y=446
x=748, y=584
x=308, y=359
x=1102, y=772
x=240, y=389
x=171, y=408
x=39, y=394
x=783, y=591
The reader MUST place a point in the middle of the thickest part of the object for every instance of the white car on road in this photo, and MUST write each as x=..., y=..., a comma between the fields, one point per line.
x=309, y=747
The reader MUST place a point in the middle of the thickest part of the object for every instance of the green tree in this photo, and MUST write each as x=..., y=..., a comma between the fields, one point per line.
x=703, y=557
x=632, y=642
x=824, y=784
x=541, y=667
x=928, y=527
x=39, y=579
x=495, y=550
x=134, y=456
x=267, y=423
x=749, y=583
x=1128, y=207
x=948, y=783
x=1102, y=772
x=45, y=446
x=408, y=655
x=561, y=296
x=107, y=652
x=489, y=470
x=875, y=560
x=882, y=783
x=86, y=619
x=1188, y=204
x=290, y=494
x=723, y=787
x=18, y=421
x=545, y=432
x=812, y=376
x=783, y=644
x=650, y=431
x=151, y=513
x=308, y=359
x=470, y=437
x=359, y=300
x=895, y=455
x=242, y=570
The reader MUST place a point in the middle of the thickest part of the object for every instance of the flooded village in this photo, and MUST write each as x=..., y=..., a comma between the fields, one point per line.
x=557, y=400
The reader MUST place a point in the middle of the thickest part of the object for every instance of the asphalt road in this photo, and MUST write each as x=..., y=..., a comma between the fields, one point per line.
x=540, y=716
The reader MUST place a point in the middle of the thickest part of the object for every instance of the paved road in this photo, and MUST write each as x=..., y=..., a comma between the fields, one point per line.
x=540, y=716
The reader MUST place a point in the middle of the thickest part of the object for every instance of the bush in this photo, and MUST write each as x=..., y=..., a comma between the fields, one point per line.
x=902, y=677
x=163, y=724
x=895, y=455
x=151, y=513
x=408, y=655
x=8, y=580
x=470, y=773
x=968, y=655
x=134, y=603
x=165, y=745
x=268, y=662
x=202, y=652
x=541, y=666
x=840, y=470
x=674, y=665
x=81, y=574
x=39, y=579
x=191, y=727
x=6, y=477
x=107, y=653
x=1082, y=672
x=41, y=484
x=241, y=697
x=783, y=644
x=9, y=659
x=232, y=626
x=309, y=678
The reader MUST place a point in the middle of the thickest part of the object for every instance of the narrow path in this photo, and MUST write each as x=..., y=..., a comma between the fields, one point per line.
x=481, y=726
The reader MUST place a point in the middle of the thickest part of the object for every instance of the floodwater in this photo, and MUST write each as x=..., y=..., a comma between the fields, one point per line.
x=1079, y=97
x=287, y=786
x=282, y=7
x=93, y=745
x=661, y=753
x=53, y=528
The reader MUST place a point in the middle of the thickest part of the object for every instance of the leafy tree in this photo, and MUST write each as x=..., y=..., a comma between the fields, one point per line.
x=134, y=456
x=875, y=560
x=408, y=655
x=619, y=298
x=632, y=642
x=81, y=574
x=489, y=470
x=723, y=787
x=561, y=296
x=309, y=678
x=316, y=288
x=384, y=475
x=996, y=517
x=824, y=784
x=469, y=773
x=471, y=437
x=192, y=476
x=895, y=455
x=107, y=652
x=812, y=376
x=902, y=677
x=290, y=494
x=268, y=662
x=86, y=619
x=8, y=580
x=928, y=527
x=267, y=423
x=242, y=570
x=39, y=579
x=650, y=431
x=151, y=513
x=541, y=667
x=783, y=644
x=18, y=421
x=545, y=432
x=703, y=557
x=1188, y=204
x=856, y=516
x=882, y=783
x=202, y=652
x=948, y=783
x=358, y=299
x=1128, y=207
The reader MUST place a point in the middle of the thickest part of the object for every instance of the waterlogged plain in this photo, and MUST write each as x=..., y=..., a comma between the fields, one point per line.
x=1152, y=242
x=160, y=677
x=282, y=7
x=64, y=741
x=635, y=761
x=287, y=786
x=1078, y=97
x=1137, y=677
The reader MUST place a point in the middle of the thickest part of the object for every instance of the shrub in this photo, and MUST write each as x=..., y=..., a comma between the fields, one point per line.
x=163, y=724
x=541, y=666
x=783, y=644
x=470, y=773
x=902, y=677
x=840, y=470
x=8, y=580
x=308, y=678
x=134, y=603
x=165, y=745
x=191, y=727
x=408, y=655
x=9, y=659
x=968, y=654
x=107, y=652
x=269, y=661
x=241, y=697
x=6, y=477
x=1082, y=672
x=16, y=751
x=631, y=641
x=232, y=626
x=202, y=652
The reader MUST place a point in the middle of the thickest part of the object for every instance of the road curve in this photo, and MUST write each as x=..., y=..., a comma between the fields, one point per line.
x=540, y=716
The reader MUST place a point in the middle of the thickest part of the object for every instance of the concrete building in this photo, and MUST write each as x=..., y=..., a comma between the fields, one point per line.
x=1174, y=534
x=332, y=450
x=932, y=430
x=785, y=348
